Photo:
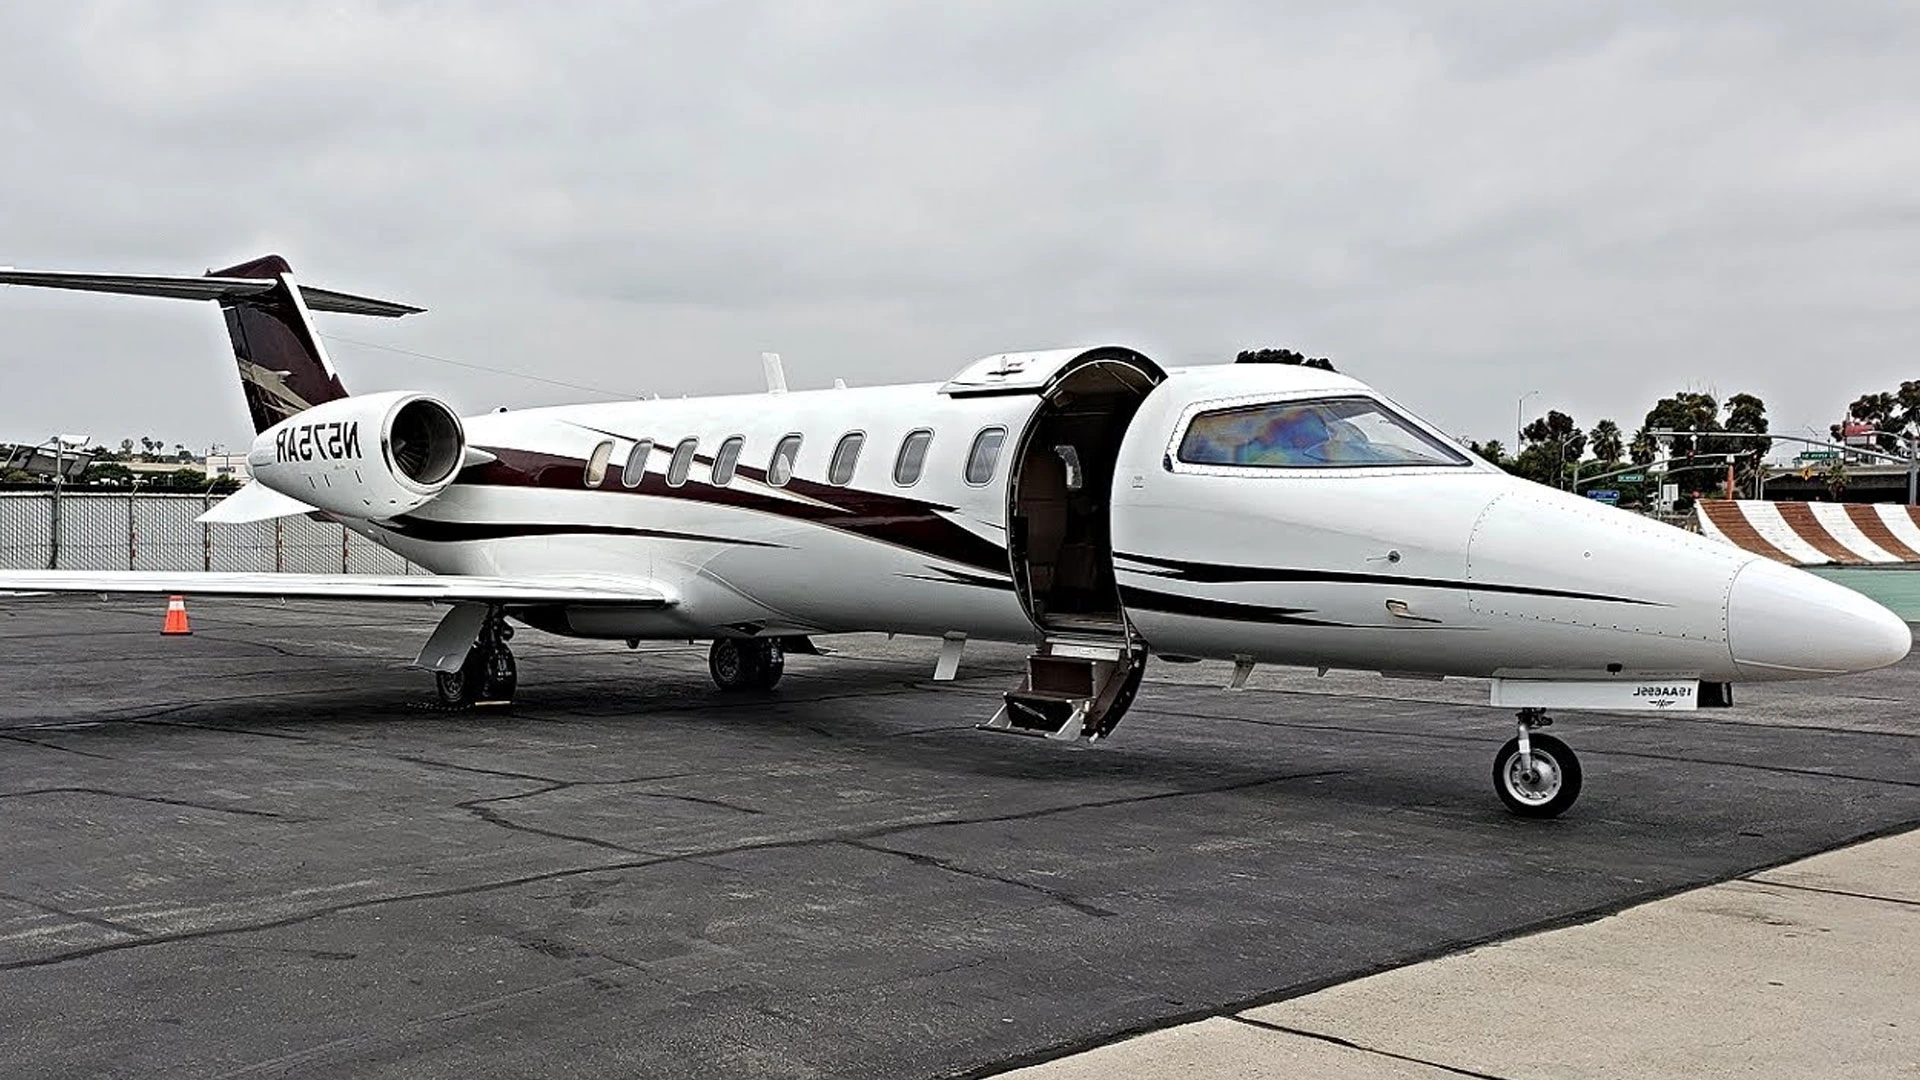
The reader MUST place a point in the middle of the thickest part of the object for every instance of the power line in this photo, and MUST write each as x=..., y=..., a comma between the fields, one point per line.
x=619, y=394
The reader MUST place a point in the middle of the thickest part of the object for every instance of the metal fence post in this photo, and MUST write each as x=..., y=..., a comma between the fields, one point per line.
x=53, y=533
x=343, y=549
x=206, y=534
x=279, y=545
x=133, y=535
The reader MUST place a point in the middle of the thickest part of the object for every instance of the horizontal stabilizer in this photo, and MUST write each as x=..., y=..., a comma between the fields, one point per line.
x=202, y=288
x=543, y=589
x=253, y=502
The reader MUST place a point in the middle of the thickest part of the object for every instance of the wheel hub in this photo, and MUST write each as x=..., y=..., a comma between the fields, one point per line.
x=1536, y=785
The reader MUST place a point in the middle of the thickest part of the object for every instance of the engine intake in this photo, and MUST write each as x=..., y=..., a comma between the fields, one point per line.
x=425, y=441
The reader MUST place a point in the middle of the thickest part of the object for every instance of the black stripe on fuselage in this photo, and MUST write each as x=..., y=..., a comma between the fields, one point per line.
x=905, y=523
x=1177, y=570
x=417, y=528
x=1138, y=599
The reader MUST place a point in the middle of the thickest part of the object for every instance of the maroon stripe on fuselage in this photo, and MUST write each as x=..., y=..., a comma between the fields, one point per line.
x=906, y=523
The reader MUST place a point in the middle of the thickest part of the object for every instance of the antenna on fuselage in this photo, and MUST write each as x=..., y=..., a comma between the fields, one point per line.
x=776, y=375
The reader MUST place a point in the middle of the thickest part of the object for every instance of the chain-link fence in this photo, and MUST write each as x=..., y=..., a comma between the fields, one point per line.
x=102, y=531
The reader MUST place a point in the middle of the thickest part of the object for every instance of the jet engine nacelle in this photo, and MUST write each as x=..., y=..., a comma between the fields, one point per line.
x=374, y=456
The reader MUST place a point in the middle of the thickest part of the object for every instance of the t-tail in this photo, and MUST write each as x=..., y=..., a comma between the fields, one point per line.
x=284, y=368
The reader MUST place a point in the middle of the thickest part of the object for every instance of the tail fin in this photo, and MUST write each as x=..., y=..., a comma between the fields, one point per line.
x=283, y=367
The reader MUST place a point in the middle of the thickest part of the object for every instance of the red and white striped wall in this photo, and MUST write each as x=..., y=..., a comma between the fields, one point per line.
x=1815, y=534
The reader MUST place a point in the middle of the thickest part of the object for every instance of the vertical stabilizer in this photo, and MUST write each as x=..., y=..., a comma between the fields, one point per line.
x=283, y=367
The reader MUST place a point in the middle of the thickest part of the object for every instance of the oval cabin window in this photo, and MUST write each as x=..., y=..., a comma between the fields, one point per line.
x=985, y=455
x=596, y=470
x=780, y=466
x=682, y=462
x=726, y=461
x=913, y=457
x=846, y=454
x=635, y=470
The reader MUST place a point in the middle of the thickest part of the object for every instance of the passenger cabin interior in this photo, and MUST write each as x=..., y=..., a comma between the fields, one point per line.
x=1060, y=531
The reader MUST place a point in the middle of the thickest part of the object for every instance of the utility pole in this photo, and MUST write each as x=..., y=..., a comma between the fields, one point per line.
x=1519, y=421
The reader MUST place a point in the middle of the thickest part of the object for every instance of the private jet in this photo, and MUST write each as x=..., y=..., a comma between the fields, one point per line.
x=1086, y=502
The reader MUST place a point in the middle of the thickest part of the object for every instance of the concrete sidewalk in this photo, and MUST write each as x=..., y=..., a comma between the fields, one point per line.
x=1809, y=969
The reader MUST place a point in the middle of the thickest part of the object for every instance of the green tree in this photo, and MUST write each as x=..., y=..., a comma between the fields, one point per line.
x=107, y=474
x=1492, y=450
x=1883, y=412
x=1605, y=440
x=1643, y=449
x=1283, y=356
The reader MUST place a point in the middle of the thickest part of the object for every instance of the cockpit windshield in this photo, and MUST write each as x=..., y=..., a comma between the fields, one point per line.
x=1319, y=433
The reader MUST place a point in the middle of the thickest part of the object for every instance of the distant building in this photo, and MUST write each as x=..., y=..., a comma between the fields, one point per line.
x=41, y=460
x=229, y=465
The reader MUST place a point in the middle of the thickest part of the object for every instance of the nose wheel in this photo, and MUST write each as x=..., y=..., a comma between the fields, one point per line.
x=739, y=664
x=1536, y=775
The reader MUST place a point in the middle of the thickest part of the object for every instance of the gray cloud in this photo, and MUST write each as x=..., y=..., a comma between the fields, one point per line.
x=1459, y=201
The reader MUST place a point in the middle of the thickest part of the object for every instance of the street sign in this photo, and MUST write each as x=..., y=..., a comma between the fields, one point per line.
x=1819, y=455
x=1605, y=495
x=1632, y=477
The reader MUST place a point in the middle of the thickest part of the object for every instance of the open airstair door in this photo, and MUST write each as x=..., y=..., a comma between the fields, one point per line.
x=1060, y=539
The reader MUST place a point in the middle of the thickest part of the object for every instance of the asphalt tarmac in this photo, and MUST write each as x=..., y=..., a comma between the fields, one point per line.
x=249, y=853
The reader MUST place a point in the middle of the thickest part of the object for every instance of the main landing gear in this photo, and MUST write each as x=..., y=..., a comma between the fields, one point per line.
x=488, y=675
x=1536, y=775
x=739, y=664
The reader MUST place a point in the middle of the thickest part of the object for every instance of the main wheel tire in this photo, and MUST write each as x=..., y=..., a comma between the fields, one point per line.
x=460, y=689
x=501, y=676
x=1550, y=788
x=729, y=661
x=769, y=663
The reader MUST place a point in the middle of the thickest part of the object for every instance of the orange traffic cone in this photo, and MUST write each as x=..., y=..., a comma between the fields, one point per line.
x=176, y=616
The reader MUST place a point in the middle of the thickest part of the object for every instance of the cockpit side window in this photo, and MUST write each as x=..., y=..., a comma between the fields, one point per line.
x=1317, y=433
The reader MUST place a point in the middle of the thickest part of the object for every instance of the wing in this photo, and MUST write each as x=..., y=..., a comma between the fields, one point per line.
x=545, y=589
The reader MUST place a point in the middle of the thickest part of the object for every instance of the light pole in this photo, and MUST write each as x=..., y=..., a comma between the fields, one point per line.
x=1519, y=420
x=60, y=445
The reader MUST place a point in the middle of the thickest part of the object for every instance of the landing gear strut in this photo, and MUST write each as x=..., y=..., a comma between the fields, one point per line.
x=1536, y=775
x=488, y=675
x=746, y=663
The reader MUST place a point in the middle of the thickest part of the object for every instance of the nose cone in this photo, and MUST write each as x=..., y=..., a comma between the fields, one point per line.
x=1784, y=623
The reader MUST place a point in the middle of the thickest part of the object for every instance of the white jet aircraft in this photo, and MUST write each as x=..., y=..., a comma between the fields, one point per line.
x=1085, y=501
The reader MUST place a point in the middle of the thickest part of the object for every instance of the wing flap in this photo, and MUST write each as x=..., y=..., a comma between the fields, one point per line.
x=555, y=589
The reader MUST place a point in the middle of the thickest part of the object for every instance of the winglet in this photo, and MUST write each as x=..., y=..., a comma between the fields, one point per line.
x=776, y=375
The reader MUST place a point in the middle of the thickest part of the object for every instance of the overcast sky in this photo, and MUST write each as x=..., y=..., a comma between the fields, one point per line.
x=1458, y=201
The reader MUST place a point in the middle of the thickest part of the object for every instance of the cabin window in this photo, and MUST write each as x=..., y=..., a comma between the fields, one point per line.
x=597, y=464
x=780, y=467
x=635, y=470
x=912, y=458
x=726, y=461
x=846, y=454
x=682, y=462
x=1320, y=433
x=985, y=455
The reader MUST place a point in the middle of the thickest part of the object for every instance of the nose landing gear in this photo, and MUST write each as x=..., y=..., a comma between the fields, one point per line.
x=738, y=664
x=1536, y=775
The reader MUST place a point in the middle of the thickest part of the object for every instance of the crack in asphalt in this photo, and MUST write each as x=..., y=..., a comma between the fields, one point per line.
x=1058, y=896
x=162, y=800
x=751, y=847
x=55, y=746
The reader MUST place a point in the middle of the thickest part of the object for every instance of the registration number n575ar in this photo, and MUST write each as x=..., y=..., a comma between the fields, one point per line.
x=329, y=441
